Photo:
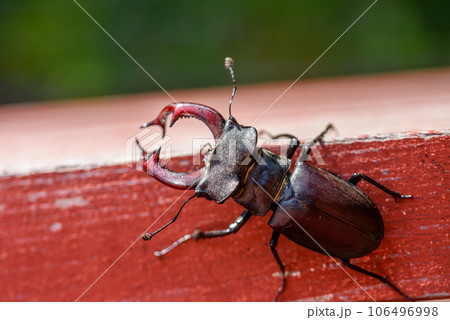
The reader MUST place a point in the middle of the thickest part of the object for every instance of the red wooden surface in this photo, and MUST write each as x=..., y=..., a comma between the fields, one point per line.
x=61, y=231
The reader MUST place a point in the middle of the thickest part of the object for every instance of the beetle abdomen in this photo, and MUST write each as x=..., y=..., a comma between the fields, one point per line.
x=341, y=219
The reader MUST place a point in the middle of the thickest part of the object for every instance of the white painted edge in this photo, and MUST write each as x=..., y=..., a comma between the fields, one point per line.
x=89, y=164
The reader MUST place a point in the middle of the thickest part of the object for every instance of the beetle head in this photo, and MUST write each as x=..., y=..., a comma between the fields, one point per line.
x=225, y=167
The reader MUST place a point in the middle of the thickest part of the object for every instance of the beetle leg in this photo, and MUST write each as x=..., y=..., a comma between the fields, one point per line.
x=232, y=228
x=293, y=145
x=355, y=178
x=346, y=262
x=197, y=234
x=307, y=149
x=273, y=248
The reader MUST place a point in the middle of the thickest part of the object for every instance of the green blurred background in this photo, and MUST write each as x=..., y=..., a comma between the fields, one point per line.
x=52, y=50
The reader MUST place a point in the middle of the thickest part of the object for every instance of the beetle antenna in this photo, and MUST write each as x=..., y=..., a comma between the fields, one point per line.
x=148, y=236
x=229, y=65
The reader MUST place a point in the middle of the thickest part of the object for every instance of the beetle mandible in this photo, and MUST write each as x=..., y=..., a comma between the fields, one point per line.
x=311, y=206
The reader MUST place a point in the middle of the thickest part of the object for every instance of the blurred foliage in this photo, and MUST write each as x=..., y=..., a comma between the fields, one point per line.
x=53, y=50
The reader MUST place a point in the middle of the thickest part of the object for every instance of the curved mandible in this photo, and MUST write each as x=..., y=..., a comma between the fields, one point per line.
x=152, y=165
x=210, y=117
x=178, y=180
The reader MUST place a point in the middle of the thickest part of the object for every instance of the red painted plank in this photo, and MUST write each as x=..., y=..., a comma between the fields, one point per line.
x=61, y=231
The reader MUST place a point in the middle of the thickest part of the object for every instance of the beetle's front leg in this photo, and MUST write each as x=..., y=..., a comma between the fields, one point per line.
x=197, y=234
x=307, y=149
x=293, y=145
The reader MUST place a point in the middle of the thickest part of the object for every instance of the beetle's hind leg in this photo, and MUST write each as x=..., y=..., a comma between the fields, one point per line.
x=346, y=262
x=197, y=234
x=357, y=177
x=273, y=248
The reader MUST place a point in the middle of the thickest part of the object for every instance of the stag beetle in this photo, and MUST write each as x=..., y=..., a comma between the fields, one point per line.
x=311, y=206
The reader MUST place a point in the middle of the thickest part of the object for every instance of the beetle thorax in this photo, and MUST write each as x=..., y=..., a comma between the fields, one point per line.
x=237, y=168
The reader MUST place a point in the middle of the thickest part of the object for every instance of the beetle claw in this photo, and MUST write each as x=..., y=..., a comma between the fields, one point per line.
x=151, y=163
x=160, y=122
x=402, y=196
x=210, y=117
x=179, y=180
